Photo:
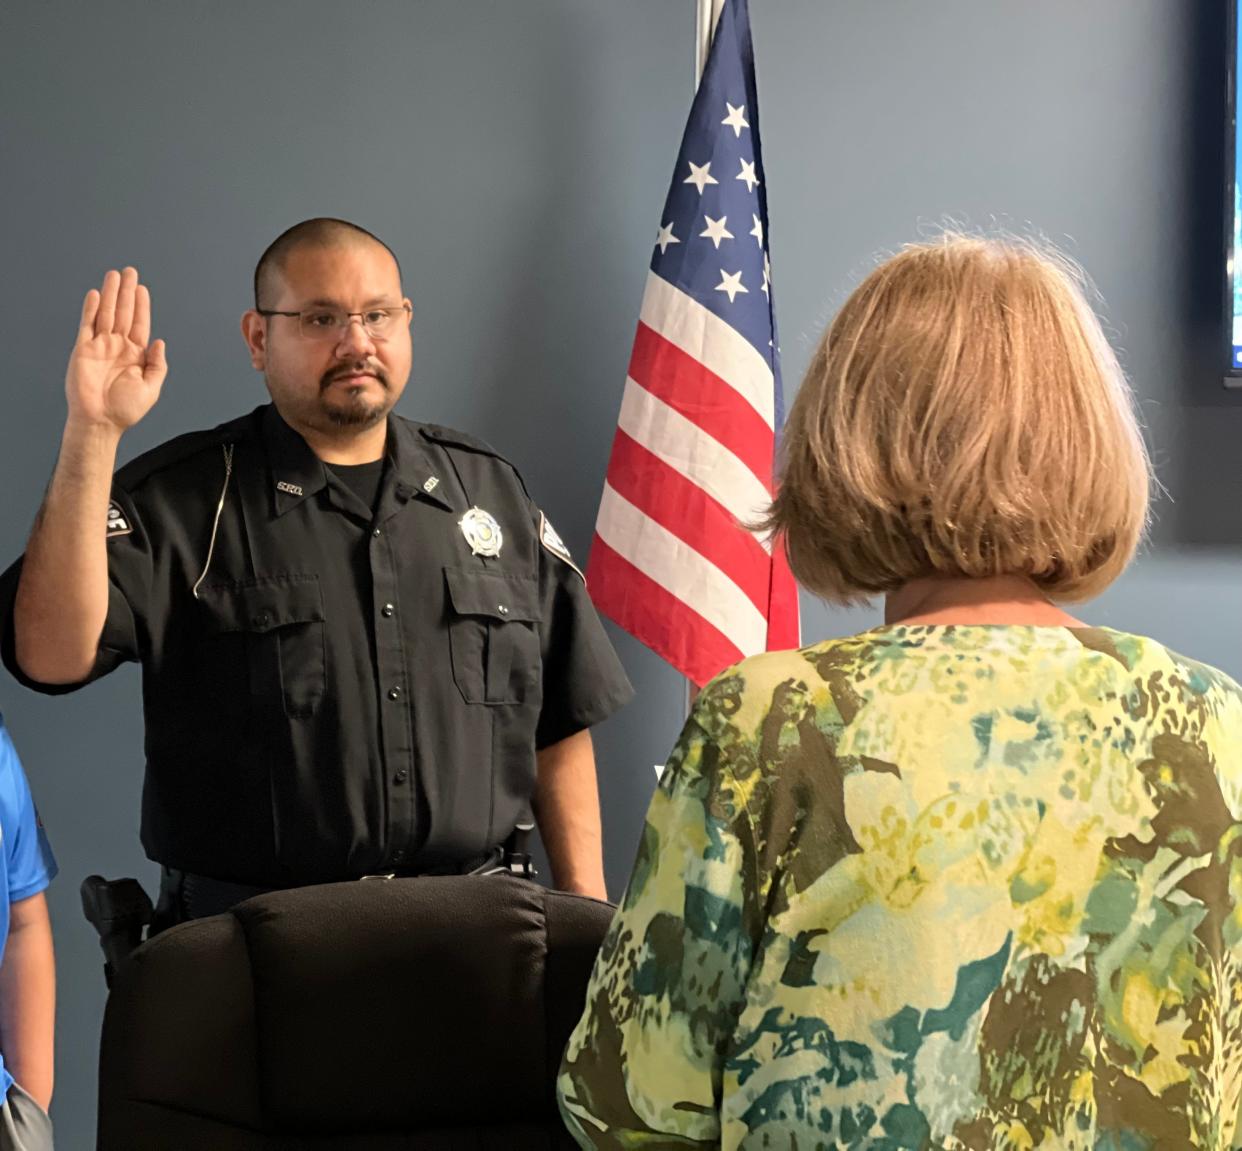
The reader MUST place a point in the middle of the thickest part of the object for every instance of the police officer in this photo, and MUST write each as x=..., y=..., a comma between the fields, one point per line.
x=364, y=648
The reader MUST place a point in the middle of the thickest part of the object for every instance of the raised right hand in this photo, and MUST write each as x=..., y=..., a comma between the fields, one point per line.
x=114, y=376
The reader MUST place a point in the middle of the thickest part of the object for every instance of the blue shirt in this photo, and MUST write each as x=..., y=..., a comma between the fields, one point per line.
x=26, y=862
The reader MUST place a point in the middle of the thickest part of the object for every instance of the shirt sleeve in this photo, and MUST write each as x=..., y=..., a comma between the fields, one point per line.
x=129, y=584
x=28, y=855
x=644, y=1066
x=583, y=681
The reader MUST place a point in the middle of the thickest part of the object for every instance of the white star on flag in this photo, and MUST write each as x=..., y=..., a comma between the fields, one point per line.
x=731, y=284
x=716, y=230
x=735, y=119
x=767, y=275
x=665, y=238
x=701, y=175
x=747, y=173
x=757, y=230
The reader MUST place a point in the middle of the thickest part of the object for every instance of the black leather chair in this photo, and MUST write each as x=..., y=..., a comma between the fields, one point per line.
x=424, y=1014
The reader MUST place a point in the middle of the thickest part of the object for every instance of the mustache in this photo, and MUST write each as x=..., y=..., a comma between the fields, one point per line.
x=355, y=369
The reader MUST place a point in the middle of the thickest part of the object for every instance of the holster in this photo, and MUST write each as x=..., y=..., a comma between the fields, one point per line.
x=119, y=909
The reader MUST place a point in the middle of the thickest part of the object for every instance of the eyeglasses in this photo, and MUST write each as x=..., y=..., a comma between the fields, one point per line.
x=332, y=323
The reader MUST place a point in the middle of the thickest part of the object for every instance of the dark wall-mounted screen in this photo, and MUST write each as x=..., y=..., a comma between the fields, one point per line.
x=1233, y=214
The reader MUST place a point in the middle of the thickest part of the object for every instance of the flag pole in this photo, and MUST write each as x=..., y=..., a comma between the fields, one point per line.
x=707, y=13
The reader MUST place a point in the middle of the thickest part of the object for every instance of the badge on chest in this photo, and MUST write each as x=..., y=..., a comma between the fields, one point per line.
x=482, y=532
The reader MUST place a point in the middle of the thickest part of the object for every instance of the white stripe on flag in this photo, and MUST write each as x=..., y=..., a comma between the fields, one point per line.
x=704, y=336
x=681, y=571
x=687, y=449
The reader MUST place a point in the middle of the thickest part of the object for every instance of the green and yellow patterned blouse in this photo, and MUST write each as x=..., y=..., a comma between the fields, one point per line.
x=932, y=887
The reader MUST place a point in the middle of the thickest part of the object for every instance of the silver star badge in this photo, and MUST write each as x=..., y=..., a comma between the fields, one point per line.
x=482, y=532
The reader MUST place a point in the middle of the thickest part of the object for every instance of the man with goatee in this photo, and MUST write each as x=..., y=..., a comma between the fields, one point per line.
x=364, y=648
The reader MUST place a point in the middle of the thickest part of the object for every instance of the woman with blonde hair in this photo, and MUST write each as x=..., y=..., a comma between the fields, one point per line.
x=970, y=879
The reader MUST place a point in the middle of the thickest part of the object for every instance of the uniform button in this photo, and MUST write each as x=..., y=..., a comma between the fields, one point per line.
x=502, y=609
x=387, y=610
x=398, y=856
x=400, y=777
x=262, y=619
x=377, y=533
x=394, y=693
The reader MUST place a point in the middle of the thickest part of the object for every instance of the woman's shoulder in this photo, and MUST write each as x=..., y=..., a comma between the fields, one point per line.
x=742, y=697
x=1148, y=659
x=950, y=669
x=759, y=712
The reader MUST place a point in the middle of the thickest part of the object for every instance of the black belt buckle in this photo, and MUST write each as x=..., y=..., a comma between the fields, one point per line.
x=516, y=860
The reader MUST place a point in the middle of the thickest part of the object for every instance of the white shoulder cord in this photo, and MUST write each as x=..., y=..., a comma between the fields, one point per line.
x=215, y=524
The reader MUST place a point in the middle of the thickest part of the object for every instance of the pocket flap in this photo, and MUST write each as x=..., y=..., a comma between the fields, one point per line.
x=263, y=604
x=476, y=591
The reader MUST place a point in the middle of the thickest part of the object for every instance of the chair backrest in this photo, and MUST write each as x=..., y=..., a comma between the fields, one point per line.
x=413, y=1013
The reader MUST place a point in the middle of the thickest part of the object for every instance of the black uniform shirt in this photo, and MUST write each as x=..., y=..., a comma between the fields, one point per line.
x=341, y=690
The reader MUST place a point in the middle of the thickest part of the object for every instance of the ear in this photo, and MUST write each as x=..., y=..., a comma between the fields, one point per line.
x=254, y=332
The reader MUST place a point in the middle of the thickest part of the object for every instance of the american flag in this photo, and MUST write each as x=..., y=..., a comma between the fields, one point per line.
x=696, y=439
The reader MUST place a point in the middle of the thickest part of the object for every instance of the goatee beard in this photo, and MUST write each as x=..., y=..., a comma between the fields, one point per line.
x=355, y=415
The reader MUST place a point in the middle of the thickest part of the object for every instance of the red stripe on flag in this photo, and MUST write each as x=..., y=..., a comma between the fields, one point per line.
x=656, y=617
x=700, y=395
x=663, y=494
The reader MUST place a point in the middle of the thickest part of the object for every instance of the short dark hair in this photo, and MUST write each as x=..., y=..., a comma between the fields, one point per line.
x=320, y=231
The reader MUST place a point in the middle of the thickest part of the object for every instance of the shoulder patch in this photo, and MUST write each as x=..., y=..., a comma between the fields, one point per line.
x=553, y=542
x=118, y=521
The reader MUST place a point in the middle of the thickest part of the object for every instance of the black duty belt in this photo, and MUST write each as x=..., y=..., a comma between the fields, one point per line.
x=186, y=895
x=119, y=909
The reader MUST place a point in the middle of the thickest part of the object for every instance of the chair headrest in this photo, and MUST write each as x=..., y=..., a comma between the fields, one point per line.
x=397, y=1004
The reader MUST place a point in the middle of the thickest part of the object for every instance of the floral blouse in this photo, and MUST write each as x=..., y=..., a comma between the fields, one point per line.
x=932, y=887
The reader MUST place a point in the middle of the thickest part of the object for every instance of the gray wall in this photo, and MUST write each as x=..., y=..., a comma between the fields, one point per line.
x=516, y=156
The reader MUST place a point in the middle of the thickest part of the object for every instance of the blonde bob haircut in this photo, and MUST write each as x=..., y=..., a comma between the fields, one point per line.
x=963, y=415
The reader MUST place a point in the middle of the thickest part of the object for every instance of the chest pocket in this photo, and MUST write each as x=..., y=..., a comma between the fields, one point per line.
x=493, y=634
x=282, y=620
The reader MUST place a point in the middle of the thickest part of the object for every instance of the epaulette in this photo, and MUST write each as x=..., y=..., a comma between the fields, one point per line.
x=451, y=437
x=181, y=448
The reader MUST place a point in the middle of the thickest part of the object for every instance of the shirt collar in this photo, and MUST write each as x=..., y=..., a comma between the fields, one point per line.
x=297, y=473
x=418, y=472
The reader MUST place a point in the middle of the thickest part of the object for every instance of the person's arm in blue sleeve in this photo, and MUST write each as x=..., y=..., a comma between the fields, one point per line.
x=28, y=967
